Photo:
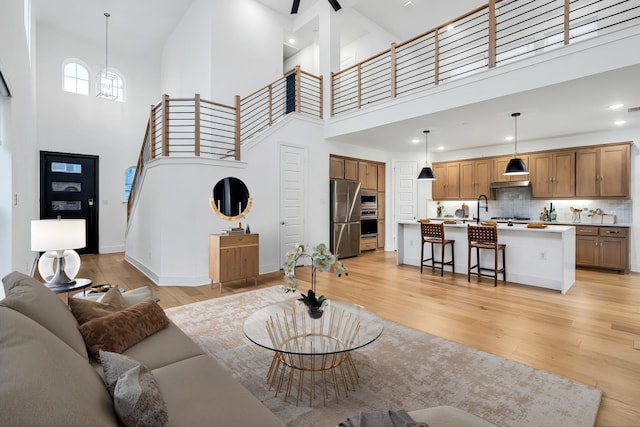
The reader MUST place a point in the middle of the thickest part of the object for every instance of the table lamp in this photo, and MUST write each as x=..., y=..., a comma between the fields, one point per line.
x=58, y=235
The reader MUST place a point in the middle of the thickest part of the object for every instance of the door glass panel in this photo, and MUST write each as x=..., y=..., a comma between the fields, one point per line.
x=60, y=205
x=75, y=187
x=66, y=167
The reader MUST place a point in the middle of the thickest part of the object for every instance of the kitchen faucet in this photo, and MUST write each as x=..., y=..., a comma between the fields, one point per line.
x=486, y=206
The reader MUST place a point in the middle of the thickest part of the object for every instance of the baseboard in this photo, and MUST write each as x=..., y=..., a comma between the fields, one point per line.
x=111, y=249
x=167, y=280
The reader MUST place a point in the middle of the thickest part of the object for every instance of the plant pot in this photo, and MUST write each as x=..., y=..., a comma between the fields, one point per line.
x=315, y=312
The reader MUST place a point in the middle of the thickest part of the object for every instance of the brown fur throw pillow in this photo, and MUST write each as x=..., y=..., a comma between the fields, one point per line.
x=118, y=331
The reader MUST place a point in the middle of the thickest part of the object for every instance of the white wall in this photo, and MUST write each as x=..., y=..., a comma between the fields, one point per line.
x=18, y=150
x=72, y=123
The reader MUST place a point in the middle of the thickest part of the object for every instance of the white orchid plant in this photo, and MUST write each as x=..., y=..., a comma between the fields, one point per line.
x=321, y=260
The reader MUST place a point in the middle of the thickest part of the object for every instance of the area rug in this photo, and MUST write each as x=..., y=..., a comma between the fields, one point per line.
x=404, y=369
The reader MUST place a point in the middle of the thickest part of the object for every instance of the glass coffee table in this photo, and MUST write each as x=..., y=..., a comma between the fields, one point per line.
x=306, y=347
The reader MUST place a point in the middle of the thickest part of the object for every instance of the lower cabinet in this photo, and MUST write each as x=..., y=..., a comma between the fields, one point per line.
x=233, y=257
x=368, y=243
x=602, y=247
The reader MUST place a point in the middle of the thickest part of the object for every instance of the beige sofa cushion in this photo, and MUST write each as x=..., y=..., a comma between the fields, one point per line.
x=118, y=331
x=43, y=382
x=200, y=392
x=33, y=299
x=163, y=348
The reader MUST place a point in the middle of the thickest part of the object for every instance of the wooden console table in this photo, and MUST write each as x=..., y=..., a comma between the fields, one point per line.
x=233, y=257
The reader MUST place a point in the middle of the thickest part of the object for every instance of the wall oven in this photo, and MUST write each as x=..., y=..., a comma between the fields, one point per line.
x=368, y=227
x=368, y=200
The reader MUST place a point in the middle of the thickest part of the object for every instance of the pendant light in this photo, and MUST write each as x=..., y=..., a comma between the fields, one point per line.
x=516, y=165
x=107, y=81
x=426, y=173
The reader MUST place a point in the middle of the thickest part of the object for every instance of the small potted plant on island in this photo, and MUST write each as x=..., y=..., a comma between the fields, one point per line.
x=321, y=260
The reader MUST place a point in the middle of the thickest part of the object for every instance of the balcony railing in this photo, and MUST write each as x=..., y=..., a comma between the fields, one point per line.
x=194, y=127
x=500, y=32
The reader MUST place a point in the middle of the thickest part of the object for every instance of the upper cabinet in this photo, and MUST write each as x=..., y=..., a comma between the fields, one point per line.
x=341, y=168
x=368, y=173
x=553, y=174
x=500, y=164
x=446, y=186
x=475, y=177
x=603, y=171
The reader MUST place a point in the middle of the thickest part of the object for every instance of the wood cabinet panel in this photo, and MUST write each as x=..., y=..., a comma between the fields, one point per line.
x=351, y=169
x=475, y=178
x=336, y=168
x=446, y=186
x=552, y=174
x=381, y=177
x=602, y=247
x=380, y=233
x=380, y=200
x=368, y=173
x=603, y=171
x=233, y=257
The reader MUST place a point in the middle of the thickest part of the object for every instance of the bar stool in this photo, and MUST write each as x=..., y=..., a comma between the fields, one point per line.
x=485, y=237
x=433, y=233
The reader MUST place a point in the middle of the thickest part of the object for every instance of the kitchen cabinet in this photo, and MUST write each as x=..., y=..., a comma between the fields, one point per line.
x=475, y=176
x=351, y=169
x=603, y=171
x=381, y=213
x=500, y=163
x=380, y=233
x=341, y=168
x=381, y=177
x=233, y=257
x=446, y=186
x=336, y=168
x=553, y=174
x=368, y=173
x=602, y=247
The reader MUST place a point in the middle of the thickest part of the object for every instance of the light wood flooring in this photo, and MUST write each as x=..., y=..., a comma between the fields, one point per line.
x=591, y=334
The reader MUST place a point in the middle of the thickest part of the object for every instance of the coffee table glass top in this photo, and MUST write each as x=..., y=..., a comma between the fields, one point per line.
x=286, y=327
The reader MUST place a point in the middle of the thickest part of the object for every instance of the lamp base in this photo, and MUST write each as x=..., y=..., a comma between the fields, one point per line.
x=60, y=278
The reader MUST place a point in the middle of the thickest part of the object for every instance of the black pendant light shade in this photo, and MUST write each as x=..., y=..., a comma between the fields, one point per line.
x=426, y=173
x=516, y=165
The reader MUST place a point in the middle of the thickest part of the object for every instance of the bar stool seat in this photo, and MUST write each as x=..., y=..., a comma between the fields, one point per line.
x=485, y=237
x=433, y=234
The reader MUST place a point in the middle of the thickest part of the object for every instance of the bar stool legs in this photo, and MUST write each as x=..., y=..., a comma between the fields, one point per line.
x=485, y=237
x=434, y=235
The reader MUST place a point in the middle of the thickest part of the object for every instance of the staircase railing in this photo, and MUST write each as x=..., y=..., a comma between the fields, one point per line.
x=194, y=127
x=497, y=33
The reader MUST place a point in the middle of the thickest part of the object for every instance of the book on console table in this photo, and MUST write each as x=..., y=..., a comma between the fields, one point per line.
x=235, y=230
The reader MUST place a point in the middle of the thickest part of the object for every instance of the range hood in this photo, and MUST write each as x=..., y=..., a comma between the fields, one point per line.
x=509, y=184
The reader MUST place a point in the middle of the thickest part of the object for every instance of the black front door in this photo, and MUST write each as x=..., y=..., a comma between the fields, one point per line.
x=69, y=189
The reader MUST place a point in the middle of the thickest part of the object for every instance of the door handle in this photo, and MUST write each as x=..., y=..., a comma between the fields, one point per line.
x=90, y=202
x=282, y=223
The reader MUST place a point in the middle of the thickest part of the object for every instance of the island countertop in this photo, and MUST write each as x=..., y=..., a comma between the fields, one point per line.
x=542, y=257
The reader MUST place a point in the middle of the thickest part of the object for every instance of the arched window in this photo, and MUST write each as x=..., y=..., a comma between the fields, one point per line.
x=75, y=77
x=128, y=181
x=110, y=85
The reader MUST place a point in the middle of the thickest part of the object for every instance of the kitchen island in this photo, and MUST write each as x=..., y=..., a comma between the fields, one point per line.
x=544, y=257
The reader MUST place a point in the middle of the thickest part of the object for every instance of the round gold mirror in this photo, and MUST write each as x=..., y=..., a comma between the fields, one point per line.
x=230, y=199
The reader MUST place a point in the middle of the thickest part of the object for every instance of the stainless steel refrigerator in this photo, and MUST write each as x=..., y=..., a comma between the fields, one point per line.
x=345, y=218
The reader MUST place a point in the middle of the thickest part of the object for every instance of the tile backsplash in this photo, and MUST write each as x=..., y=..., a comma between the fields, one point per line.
x=512, y=202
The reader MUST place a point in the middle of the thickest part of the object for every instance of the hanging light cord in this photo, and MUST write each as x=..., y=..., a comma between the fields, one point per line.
x=426, y=151
x=106, y=43
x=515, y=137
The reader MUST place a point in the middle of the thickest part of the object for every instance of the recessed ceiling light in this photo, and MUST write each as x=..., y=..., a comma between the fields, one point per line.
x=440, y=148
x=509, y=138
x=415, y=140
x=408, y=3
x=292, y=40
x=619, y=122
x=616, y=106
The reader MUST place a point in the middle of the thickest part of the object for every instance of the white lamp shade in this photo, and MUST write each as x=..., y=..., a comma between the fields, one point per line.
x=57, y=234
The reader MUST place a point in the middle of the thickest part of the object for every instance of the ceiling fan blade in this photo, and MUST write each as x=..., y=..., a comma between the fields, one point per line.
x=336, y=6
x=294, y=6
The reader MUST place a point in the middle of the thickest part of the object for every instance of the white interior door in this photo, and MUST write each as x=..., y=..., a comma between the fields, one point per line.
x=405, y=195
x=292, y=203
